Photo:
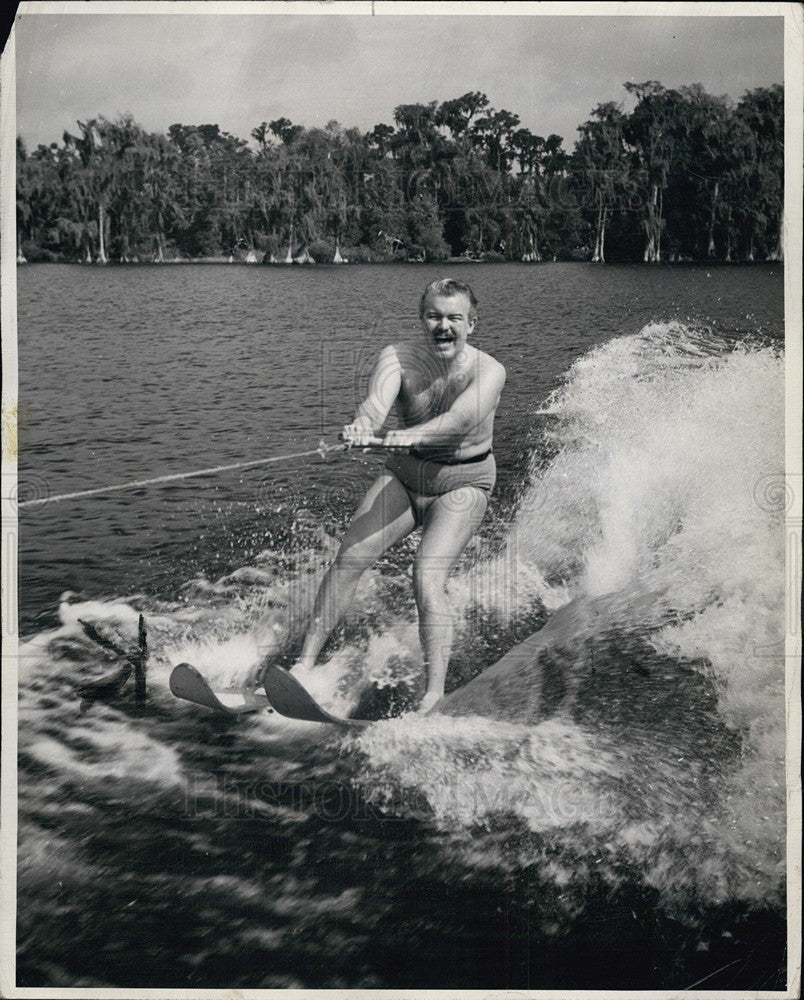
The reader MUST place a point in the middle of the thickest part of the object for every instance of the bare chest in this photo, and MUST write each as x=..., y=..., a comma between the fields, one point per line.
x=423, y=396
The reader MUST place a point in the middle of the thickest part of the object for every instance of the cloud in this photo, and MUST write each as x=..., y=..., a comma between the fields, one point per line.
x=240, y=69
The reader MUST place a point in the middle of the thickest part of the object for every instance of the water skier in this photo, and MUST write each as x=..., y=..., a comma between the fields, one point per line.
x=445, y=392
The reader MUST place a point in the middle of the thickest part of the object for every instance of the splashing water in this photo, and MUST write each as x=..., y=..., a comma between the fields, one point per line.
x=647, y=516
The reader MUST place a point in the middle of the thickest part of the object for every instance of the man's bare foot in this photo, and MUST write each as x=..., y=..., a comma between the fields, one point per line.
x=428, y=702
x=254, y=677
x=256, y=674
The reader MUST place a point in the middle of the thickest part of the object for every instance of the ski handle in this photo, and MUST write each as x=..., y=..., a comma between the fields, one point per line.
x=375, y=444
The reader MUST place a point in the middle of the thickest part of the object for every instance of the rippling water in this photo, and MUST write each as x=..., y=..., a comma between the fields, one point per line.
x=607, y=809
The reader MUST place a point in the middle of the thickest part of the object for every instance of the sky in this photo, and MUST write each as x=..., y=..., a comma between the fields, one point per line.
x=171, y=64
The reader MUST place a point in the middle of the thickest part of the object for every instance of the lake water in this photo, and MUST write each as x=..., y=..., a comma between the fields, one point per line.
x=625, y=828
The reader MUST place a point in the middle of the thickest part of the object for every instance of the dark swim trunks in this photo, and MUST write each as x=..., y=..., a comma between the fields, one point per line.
x=425, y=479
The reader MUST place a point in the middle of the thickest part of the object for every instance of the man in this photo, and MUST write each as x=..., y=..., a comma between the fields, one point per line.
x=439, y=474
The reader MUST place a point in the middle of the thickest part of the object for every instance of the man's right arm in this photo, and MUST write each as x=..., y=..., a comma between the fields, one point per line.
x=386, y=381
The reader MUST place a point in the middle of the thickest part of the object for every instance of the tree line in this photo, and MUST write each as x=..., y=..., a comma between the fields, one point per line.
x=684, y=176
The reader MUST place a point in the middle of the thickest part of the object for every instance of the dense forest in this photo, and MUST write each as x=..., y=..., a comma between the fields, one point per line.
x=683, y=176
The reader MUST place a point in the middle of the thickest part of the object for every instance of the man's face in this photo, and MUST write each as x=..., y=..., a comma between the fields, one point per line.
x=446, y=324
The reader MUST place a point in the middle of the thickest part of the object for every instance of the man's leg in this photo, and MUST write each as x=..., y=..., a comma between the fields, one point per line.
x=383, y=518
x=449, y=524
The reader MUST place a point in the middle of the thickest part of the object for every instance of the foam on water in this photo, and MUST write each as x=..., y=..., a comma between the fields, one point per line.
x=660, y=447
x=472, y=770
x=100, y=753
x=666, y=453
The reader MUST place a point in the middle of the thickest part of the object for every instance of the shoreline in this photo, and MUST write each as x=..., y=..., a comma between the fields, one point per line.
x=383, y=263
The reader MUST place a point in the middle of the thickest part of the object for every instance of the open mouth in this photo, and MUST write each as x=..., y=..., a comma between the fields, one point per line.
x=444, y=339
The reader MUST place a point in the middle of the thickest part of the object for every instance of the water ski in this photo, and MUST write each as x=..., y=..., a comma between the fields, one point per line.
x=187, y=683
x=289, y=698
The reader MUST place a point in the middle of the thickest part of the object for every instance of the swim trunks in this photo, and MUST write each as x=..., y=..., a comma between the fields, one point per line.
x=425, y=479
